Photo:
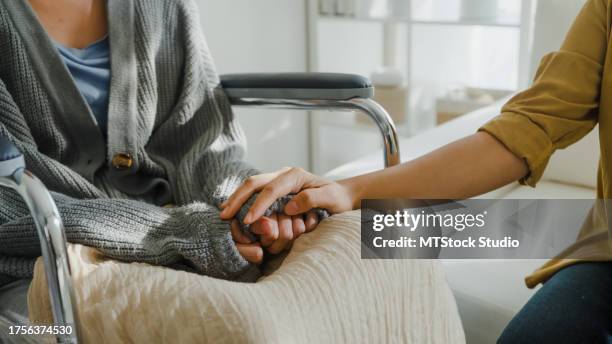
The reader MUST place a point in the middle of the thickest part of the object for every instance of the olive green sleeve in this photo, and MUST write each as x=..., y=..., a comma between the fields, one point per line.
x=562, y=105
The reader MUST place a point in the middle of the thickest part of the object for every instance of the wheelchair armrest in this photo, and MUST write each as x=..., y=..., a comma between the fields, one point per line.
x=297, y=86
x=314, y=91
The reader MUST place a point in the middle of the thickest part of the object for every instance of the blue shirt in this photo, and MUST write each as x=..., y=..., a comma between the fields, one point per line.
x=90, y=69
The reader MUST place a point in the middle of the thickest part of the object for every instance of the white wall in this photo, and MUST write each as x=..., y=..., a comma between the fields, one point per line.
x=262, y=36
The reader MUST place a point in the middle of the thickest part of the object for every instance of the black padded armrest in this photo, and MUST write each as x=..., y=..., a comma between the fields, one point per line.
x=11, y=159
x=299, y=86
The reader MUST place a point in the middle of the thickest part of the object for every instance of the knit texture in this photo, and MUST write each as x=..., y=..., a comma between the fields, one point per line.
x=173, y=119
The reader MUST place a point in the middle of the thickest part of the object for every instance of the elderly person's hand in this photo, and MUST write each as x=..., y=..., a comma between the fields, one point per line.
x=276, y=233
x=311, y=192
x=251, y=251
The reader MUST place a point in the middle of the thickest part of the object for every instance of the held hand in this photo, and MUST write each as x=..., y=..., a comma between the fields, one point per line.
x=250, y=251
x=276, y=232
x=312, y=192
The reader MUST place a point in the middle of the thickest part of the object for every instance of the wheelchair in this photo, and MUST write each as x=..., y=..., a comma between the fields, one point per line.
x=305, y=91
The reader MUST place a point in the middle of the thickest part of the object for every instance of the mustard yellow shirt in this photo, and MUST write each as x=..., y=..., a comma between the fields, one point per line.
x=570, y=95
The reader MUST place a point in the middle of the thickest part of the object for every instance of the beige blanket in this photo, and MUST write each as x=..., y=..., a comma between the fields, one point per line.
x=321, y=293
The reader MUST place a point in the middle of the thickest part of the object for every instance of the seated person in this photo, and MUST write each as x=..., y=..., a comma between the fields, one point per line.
x=117, y=108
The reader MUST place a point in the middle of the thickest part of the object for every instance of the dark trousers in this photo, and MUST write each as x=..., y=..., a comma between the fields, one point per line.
x=575, y=306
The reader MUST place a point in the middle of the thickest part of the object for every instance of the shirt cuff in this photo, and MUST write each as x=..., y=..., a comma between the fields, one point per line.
x=525, y=139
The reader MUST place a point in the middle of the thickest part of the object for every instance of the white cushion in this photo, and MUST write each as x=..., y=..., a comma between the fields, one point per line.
x=576, y=164
x=488, y=293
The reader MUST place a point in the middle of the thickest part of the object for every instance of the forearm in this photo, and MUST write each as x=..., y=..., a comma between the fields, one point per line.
x=132, y=231
x=463, y=169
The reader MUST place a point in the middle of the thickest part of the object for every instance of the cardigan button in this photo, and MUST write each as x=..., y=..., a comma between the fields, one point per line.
x=122, y=161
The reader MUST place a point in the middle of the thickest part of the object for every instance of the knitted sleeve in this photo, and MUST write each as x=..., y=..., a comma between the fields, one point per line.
x=122, y=229
x=132, y=231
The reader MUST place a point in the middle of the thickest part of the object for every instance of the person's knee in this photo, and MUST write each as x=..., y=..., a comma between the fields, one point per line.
x=558, y=332
x=568, y=309
x=525, y=328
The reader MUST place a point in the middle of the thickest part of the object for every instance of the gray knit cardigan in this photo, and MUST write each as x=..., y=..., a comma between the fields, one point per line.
x=166, y=111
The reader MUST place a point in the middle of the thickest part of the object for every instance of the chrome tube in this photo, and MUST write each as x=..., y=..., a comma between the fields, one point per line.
x=53, y=247
x=368, y=106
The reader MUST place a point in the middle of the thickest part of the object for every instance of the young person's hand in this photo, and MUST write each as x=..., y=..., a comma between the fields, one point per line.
x=311, y=192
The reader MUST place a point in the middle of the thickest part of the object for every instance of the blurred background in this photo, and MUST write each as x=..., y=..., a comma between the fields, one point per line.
x=430, y=60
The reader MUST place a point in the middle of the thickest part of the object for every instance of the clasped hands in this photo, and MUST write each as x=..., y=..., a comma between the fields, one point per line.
x=278, y=231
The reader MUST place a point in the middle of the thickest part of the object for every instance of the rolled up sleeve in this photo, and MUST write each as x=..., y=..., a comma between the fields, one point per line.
x=532, y=144
x=561, y=106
